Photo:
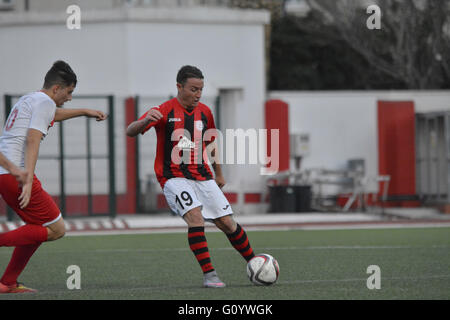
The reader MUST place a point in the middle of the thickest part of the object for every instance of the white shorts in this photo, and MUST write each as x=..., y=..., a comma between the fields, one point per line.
x=183, y=195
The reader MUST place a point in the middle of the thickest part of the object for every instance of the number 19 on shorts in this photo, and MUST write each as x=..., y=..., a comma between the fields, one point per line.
x=184, y=199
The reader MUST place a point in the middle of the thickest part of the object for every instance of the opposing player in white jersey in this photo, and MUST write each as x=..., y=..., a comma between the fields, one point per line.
x=27, y=125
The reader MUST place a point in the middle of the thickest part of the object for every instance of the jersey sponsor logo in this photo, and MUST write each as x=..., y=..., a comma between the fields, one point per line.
x=185, y=144
x=174, y=119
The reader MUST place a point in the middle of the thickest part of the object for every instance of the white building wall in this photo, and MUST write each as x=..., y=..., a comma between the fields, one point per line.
x=342, y=125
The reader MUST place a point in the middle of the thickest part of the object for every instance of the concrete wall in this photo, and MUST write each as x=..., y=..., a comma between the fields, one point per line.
x=343, y=125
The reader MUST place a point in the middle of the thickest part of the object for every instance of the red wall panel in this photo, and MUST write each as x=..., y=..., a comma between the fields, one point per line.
x=396, y=145
x=277, y=117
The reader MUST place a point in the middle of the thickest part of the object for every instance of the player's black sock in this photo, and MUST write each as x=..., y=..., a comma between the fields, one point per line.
x=239, y=241
x=199, y=246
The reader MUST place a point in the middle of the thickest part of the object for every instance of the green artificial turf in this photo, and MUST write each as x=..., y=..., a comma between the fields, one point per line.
x=325, y=264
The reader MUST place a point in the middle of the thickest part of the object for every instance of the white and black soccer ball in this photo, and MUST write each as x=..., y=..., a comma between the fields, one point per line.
x=263, y=269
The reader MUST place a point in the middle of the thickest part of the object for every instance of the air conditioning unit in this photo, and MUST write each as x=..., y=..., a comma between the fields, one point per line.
x=7, y=5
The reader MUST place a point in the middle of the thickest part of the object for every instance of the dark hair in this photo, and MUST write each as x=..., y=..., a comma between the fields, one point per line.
x=187, y=72
x=60, y=73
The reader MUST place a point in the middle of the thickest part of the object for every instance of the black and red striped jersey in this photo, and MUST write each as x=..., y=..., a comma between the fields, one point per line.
x=181, y=141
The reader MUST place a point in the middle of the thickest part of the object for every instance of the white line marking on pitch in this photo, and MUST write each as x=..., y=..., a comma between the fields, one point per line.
x=281, y=248
x=365, y=279
x=358, y=247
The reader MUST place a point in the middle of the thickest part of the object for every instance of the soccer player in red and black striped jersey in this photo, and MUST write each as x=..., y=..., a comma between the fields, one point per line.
x=183, y=125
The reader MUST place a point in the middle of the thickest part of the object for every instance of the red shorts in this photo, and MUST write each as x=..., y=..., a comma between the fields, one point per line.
x=41, y=210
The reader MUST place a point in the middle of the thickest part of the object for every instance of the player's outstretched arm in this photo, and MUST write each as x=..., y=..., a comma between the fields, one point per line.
x=138, y=126
x=64, y=114
x=19, y=174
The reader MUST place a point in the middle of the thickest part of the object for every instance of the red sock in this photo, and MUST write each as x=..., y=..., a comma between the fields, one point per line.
x=239, y=241
x=25, y=235
x=199, y=246
x=19, y=260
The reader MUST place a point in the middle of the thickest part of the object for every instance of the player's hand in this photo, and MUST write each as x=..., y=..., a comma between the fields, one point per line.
x=25, y=196
x=98, y=115
x=20, y=175
x=154, y=115
x=220, y=180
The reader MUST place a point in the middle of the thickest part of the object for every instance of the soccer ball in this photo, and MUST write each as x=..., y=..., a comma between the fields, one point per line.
x=263, y=269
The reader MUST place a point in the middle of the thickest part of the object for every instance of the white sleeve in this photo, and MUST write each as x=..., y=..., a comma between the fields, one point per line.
x=42, y=115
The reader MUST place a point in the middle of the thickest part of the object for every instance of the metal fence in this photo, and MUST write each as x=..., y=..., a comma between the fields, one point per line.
x=89, y=156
